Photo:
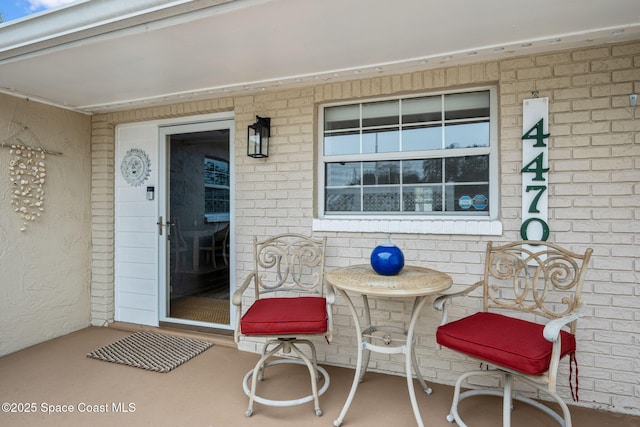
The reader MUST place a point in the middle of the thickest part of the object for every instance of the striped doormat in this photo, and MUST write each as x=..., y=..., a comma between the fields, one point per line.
x=151, y=351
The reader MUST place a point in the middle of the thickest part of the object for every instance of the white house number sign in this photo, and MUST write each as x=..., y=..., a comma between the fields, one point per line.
x=535, y=169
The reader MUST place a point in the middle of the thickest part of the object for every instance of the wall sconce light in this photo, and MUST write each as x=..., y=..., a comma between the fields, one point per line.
x=258, y=138
x=633, y=99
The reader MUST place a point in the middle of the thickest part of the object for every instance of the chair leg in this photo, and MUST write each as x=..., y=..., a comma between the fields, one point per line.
x=265, y=349
x=565, y=409
x=564, y=420
x=257, y=374
x=313, y=371
x=458, y=397
x=508, y=396
x=507, y=404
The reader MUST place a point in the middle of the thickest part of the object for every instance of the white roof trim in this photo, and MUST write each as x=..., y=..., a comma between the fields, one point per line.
x=90, y=18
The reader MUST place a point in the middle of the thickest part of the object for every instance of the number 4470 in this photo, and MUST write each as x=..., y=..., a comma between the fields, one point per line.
x=536, y=167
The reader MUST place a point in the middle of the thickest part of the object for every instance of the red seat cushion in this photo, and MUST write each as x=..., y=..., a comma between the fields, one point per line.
x=504, y=341
x=286, y=316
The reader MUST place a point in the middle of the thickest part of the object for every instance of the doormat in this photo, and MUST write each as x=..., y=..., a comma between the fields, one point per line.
x=150, y=351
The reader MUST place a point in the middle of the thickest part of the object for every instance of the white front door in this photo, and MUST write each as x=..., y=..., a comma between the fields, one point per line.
x=136, y=242
x=150, y=271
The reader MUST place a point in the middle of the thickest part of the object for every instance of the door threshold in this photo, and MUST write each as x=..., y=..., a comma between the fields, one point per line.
x=196, y=328
x=217, y=336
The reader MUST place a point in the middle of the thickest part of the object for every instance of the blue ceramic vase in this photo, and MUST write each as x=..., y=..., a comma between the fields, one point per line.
x=387, y=259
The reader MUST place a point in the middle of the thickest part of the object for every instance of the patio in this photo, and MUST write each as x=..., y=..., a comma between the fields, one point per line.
x=206, y=391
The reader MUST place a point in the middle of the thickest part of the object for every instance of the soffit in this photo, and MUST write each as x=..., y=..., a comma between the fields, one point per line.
x=156, y=52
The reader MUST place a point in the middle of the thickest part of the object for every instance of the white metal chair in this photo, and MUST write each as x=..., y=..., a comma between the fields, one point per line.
x=218, y=244
x=531, y=302
x=289, y=304
x=180, y=248
x=224, y=246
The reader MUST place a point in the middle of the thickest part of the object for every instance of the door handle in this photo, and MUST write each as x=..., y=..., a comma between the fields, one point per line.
x=169, y=224
x=159, y=224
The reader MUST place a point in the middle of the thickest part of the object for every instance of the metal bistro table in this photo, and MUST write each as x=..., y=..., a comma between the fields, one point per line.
x=411, y=282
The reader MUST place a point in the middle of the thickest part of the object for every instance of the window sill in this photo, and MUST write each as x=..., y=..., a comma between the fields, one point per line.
x=423, y=226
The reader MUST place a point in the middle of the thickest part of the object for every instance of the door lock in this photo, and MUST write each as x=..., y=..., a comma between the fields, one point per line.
x=159, y=224
x=168, y=224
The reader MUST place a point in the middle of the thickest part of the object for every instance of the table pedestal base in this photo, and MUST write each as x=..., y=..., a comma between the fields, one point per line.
x=365, y=348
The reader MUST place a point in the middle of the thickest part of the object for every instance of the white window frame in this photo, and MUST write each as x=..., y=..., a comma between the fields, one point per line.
x=412, y=223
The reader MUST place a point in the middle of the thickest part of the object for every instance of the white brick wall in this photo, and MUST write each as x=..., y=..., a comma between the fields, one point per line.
x=594, y=201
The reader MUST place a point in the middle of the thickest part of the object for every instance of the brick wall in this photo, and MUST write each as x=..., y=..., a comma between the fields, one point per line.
x=594, y=200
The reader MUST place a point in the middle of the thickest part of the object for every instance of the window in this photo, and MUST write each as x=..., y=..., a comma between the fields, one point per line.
x=216, y=190
x=431, y=156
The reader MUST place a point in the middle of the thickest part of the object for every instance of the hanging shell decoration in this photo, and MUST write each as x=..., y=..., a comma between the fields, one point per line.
x=27, y=172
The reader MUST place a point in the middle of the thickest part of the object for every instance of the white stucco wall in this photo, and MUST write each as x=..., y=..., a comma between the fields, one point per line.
x=45, y=271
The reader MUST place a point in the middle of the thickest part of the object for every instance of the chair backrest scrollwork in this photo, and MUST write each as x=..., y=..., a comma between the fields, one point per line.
x=535, y=277
x=289, y=262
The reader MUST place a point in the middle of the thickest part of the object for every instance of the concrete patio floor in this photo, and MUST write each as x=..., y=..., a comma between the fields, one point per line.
x=207, y=391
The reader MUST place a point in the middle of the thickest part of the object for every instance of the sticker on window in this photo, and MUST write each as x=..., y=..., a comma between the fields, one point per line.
x=465, y=202
x=480, y=201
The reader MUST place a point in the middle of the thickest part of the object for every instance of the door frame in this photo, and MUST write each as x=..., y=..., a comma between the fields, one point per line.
x=165, y=130
x=140, y=266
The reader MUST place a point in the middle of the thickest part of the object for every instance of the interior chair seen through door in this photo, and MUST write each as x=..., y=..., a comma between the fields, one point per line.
x=288, y=305
x=531, y=300
x=180, y=248
x=218, y=243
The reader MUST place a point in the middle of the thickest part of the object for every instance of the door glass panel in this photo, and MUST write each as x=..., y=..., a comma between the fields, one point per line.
x=199, y=202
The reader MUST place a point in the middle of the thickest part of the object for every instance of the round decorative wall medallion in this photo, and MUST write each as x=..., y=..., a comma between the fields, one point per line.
x=135, y=167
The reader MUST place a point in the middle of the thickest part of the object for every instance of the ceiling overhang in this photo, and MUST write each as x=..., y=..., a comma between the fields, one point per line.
x=107, y=55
